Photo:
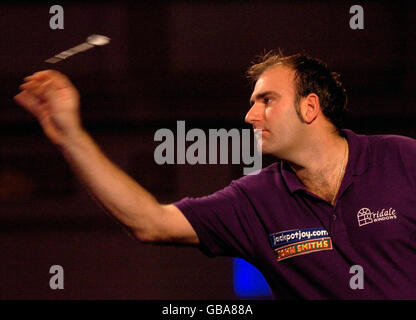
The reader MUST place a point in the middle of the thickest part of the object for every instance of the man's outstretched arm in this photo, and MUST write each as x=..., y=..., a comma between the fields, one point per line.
x=54, y=101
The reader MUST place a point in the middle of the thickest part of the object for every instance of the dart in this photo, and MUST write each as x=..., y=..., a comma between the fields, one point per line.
x=92, y=41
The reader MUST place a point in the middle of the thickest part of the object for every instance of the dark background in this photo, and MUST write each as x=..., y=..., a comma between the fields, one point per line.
x=176, y=60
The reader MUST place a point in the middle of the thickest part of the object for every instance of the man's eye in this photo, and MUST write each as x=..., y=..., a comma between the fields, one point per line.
x=266, y=100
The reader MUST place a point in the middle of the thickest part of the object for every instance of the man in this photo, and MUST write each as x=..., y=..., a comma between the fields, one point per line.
x=334, y=201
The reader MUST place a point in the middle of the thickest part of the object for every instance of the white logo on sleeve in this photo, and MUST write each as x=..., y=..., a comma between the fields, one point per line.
x=366, y=216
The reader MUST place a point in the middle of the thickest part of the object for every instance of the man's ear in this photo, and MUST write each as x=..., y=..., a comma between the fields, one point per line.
x=310, y=108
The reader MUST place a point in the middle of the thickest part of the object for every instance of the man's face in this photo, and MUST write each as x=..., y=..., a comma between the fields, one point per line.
x=273, y=111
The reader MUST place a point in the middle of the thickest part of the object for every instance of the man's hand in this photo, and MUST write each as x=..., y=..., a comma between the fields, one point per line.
x=54, y=101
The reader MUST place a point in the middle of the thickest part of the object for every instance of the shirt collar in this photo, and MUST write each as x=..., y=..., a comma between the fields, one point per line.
x=358, y=160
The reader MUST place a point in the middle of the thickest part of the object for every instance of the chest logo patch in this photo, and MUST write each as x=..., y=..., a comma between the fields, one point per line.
x=291, y=243
x=366, y=216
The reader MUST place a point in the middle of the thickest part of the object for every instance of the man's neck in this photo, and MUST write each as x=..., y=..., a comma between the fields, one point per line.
x=320, y=165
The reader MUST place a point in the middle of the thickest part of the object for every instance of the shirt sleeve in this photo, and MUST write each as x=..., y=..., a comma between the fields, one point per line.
x=221, y=221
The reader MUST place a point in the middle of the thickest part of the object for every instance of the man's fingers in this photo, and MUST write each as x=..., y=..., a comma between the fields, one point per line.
x=45, y=82
x=59, y=80
x=28, y=101
x=39, y=89
x=30, y=85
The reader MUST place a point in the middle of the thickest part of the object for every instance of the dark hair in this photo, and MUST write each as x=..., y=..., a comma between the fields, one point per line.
x=311, y=76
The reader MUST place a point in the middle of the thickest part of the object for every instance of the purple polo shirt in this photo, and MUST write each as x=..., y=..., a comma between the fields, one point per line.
x=304, y=246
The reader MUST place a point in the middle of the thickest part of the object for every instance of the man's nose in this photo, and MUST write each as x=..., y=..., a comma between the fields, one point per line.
x=254, y=114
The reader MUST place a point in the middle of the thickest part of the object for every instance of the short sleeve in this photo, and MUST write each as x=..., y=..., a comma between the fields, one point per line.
x=221, y=221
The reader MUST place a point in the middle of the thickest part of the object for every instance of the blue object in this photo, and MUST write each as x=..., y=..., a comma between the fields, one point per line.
x=248, y=281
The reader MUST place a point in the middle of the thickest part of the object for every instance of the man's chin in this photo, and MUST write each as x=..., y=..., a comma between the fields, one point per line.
x=263, y=150
x=267, y=151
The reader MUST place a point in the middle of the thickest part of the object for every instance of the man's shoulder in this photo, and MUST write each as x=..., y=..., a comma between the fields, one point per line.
x=385, y=150
x=385, y=142
x=388, y=143
x=391, y=139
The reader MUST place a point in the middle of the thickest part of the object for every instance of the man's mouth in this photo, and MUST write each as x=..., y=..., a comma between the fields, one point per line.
x=258, y=130
x=259, y=133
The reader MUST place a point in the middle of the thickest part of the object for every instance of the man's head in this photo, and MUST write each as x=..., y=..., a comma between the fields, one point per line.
x=296, y=85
